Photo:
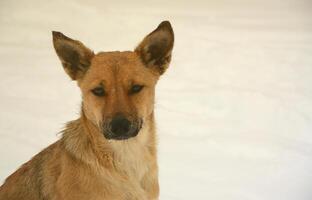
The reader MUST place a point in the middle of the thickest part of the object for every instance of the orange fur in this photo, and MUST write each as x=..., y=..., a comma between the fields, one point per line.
x=83, y=164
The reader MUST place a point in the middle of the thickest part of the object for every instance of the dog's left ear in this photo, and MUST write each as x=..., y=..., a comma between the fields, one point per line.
x=155, y=49
x=75, y=56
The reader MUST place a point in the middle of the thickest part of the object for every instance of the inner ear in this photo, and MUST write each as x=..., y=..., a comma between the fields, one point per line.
x=155, y=49
x=75, y=57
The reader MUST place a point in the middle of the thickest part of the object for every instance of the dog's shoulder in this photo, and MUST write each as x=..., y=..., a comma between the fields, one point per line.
x=27, y=182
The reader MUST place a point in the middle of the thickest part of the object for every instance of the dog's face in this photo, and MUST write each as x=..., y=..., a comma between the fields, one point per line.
x=117, y=87
x=118, y=93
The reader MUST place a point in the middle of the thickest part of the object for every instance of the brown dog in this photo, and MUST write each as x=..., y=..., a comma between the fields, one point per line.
x=110, y=151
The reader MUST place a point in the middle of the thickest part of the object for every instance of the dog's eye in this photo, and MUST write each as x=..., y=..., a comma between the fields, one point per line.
x=136, y=88
x=98, y=91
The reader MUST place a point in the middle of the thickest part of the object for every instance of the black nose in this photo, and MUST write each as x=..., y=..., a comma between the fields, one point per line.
x=120, y=126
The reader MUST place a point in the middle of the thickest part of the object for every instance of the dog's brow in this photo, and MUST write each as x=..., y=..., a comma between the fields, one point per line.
x=99, y=84
x=136, y=82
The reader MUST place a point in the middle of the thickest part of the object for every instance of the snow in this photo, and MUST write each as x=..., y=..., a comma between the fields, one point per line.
x=234, y=111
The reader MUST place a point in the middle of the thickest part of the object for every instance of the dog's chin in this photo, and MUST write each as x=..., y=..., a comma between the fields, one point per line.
x=110, y=136
x=119, y=137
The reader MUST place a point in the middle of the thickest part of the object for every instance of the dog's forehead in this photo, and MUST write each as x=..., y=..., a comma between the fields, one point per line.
x=116, y=61
x=109, y=67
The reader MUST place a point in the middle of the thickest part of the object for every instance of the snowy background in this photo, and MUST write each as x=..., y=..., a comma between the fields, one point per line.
x=234, y=110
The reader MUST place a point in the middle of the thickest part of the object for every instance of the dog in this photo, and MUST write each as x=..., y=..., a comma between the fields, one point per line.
x=110, y=151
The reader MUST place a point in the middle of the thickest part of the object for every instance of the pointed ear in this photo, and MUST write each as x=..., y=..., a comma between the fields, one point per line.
x=75, y=57
x=155, y=49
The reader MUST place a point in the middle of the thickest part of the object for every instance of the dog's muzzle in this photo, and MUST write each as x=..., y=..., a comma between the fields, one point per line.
x=121, y=128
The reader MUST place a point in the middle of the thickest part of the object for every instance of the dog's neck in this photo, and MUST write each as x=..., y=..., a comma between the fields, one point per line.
x=83, y=140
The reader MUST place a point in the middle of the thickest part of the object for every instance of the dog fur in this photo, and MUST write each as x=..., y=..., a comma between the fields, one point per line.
x=83, y=164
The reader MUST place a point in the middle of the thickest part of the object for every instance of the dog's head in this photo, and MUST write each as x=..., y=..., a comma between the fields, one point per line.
x=117, y=87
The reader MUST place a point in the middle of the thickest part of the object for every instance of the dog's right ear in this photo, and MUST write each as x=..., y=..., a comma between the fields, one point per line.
x=75, y=57
x=155, y=49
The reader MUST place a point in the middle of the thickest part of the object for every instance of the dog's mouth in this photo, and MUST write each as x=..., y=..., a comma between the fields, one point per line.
x=121, y=129
x=121, y=137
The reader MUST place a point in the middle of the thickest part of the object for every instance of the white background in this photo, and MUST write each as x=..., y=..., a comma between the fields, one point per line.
x=234, y=111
